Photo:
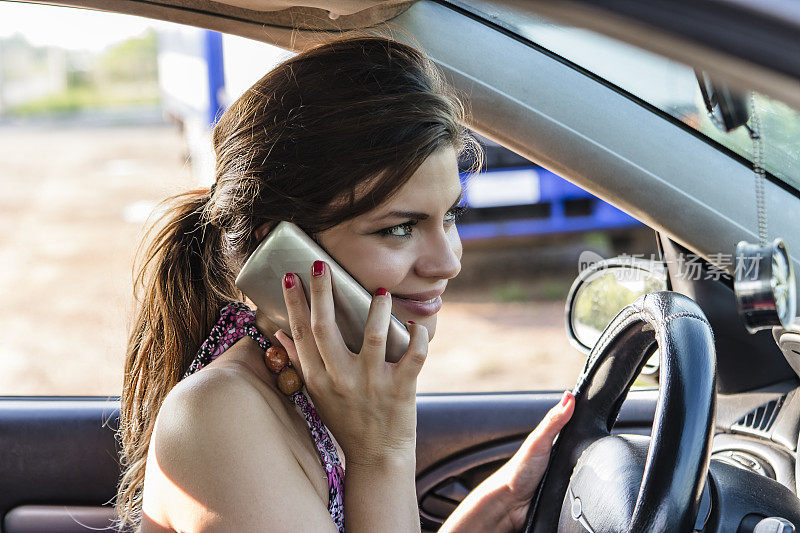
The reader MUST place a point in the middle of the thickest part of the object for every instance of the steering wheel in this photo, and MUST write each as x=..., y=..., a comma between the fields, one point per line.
x=599, y=482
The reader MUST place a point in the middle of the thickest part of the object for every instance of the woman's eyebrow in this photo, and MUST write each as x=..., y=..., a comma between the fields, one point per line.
x=416, y=215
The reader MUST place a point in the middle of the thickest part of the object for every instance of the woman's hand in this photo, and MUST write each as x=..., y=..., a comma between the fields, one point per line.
x=501, y=502
x=368, y=404
x=524, y=471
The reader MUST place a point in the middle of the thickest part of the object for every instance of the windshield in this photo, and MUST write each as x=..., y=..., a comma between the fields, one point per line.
x=667, y=85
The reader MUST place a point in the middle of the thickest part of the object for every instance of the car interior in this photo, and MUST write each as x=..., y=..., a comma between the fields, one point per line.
x=714, y=448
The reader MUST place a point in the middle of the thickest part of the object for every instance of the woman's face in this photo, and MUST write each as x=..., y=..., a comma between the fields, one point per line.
x=408, y=245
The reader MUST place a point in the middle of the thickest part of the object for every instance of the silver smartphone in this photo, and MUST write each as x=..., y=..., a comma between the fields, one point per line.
x=287, y=248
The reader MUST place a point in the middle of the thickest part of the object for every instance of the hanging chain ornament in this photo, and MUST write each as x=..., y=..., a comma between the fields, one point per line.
x=758, y=169
x=765, y=285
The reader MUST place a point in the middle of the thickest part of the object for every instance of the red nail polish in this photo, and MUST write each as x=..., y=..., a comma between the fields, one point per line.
x=381, y=291
x=565, y=398
x=411, y=322
x=288, y=280
x=318, y=269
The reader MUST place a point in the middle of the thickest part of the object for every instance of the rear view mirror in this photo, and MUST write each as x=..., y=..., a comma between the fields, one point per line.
x=728, y=109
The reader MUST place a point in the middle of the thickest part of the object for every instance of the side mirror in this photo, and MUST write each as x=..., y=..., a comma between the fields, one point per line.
x=603, y=289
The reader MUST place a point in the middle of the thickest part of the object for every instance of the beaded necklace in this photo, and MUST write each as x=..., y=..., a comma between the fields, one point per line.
x=237, y=320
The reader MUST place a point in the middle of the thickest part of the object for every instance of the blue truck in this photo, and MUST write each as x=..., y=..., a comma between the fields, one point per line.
x=516, y=198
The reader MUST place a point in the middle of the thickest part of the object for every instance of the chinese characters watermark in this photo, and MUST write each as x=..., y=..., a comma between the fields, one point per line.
x=686, y=266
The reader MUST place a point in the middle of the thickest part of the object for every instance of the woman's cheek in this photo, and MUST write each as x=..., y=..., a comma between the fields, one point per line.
x=388, y=271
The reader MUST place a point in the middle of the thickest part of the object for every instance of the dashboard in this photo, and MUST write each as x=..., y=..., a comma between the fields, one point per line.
x=753, y=470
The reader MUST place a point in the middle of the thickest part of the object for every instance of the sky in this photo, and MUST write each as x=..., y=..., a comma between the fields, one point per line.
x=71, y=28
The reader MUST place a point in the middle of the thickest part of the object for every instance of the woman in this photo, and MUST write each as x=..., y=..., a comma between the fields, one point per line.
x=356, y=141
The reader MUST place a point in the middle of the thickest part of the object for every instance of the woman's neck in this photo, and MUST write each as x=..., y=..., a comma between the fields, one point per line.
x=267, y=327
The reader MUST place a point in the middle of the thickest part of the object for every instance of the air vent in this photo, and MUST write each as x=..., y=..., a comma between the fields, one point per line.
x=759, y=421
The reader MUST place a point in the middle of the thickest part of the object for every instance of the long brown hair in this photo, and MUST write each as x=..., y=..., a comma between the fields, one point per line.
x=354, y=113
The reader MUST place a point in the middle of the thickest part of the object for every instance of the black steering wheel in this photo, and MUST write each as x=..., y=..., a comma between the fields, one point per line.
x=603, y=483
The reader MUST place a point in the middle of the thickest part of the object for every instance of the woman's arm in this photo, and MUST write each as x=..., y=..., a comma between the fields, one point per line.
x=501, y=502
x=381, y=496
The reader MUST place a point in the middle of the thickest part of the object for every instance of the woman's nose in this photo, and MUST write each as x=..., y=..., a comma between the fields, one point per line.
x=441, y=257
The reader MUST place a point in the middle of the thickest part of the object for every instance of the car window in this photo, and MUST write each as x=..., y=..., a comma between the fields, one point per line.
x=668, y=85
x=87, y=154
x=104, y=115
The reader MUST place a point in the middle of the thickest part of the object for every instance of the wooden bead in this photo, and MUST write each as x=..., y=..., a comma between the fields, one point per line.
x=288, y=381
x=276, y=358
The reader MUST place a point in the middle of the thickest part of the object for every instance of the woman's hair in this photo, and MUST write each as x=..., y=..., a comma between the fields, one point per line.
x=325, y=136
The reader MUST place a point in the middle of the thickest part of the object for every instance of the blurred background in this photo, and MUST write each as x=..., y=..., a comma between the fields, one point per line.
x=103, y=115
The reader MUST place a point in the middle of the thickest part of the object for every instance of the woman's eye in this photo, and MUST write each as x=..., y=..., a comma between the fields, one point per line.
x=400, y=230
x=405, y=229
x=454, y=213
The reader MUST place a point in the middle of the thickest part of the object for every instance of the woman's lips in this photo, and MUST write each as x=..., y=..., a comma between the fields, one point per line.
x=418, y=307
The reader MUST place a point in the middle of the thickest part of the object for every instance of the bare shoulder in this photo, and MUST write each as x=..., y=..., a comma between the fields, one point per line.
x=219, y=459
x=207, y=399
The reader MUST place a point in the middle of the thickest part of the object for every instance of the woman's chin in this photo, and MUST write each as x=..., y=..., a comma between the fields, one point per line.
x=429, y=323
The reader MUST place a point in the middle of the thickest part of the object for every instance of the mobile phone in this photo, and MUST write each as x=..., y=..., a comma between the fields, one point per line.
x=287, y=248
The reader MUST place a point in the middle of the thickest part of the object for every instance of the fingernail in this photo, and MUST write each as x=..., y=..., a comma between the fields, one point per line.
x=565, y=398
x=411, y=322
x=288, y=280
x=318, y=268
x=381, y=291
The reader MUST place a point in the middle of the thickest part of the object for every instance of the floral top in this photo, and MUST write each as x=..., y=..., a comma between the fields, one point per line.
x=237, y=320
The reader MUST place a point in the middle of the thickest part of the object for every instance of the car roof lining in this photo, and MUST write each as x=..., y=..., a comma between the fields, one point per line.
x=663, y=33
x=240, y=17
x=562, y=120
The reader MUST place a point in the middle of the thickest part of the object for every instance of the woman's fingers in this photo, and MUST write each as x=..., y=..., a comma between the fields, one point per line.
x=524, y=471
x=368, y=405
x=540, y=441
x=411, y=362
x=323, y=319
x=300, y=323
x=376, y=329
x=318, y=347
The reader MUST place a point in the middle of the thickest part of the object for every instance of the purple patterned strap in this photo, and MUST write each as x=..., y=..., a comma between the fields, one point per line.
x=237, y=320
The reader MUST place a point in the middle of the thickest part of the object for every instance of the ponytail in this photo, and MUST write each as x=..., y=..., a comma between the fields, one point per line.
x=179, y=289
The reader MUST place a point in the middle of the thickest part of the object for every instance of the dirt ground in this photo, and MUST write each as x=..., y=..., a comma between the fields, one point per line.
x=72, y=208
